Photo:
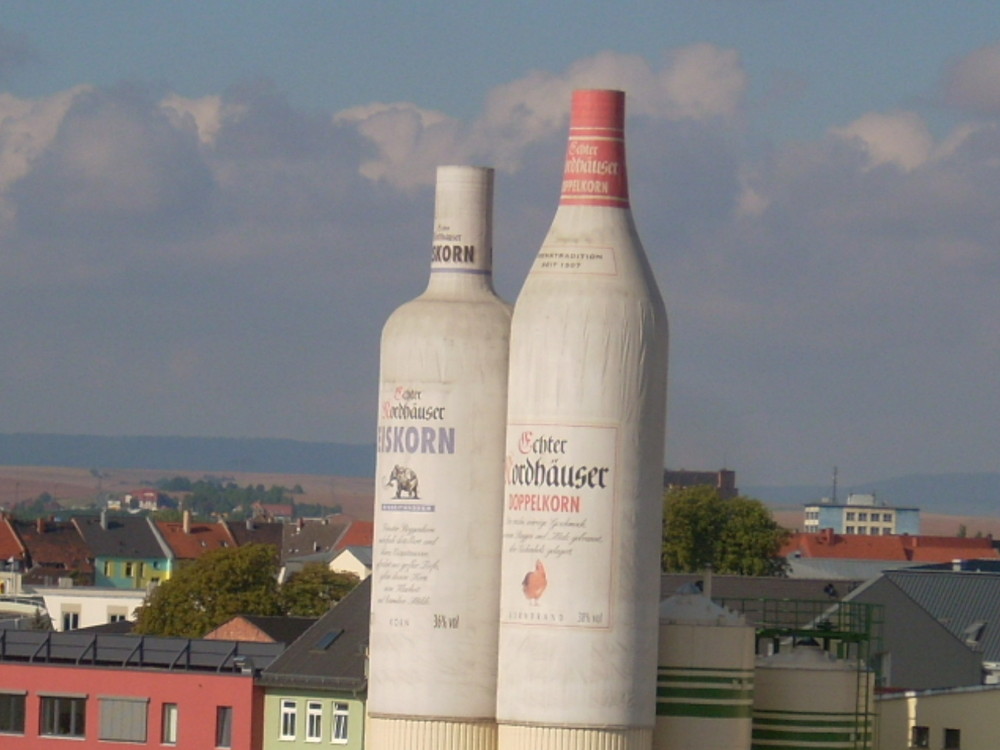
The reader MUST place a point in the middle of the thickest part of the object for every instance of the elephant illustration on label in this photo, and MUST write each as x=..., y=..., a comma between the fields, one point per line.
x=406, y=481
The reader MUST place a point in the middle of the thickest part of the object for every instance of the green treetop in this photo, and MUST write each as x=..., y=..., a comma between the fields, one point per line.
x=218, y=586
x=311, y=592
x=736, y=536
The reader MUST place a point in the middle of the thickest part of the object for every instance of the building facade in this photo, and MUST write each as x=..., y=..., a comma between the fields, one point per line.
x=861, y=514
x=113, y=691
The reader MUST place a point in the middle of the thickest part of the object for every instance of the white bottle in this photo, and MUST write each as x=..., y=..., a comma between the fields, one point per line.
x=439, y=490
x=583, y=506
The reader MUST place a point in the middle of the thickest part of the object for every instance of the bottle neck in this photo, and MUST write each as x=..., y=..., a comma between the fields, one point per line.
x=595, y=173
x=459, y=282
x=462, y=250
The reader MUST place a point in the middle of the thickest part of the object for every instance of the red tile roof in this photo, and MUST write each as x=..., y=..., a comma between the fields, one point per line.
x=55, y=545
x=827, y=544
x=358, y=534
x=201, y=538
x=10, y=544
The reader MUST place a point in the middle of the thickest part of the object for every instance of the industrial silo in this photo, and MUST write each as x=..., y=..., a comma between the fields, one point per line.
x=705, y=676
x=805, y=698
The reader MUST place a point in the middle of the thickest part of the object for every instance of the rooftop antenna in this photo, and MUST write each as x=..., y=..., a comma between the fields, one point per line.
x=834, y=494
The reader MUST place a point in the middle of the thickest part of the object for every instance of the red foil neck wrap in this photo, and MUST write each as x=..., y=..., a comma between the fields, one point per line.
x=595, y=158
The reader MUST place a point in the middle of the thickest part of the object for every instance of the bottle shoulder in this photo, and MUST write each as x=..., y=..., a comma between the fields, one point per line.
x=488, y=316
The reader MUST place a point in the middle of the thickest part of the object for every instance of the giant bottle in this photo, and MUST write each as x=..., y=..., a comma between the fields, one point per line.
x=439, y=490
x=584, y=466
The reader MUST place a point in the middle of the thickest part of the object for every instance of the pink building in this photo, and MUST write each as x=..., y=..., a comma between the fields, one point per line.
x=108, y=691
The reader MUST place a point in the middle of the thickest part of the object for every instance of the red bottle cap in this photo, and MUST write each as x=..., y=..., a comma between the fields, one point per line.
x=598, y=108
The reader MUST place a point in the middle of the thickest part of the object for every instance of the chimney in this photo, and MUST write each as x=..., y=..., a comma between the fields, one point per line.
x=40, y=525
x=104, y=519
x=956, y=565
x=249, y=524
x=186, y=516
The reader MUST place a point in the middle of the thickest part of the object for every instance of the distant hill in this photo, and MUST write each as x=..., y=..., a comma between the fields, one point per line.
x=951, y=494
x=192, y=454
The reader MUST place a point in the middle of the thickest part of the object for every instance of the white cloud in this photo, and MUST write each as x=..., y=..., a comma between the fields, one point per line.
x=699, y=82
x=973, y=82
x=704, y=81
x=899, y=138
x=115, y=167
x=207, y=113
x=410, y=142
x=27, y=127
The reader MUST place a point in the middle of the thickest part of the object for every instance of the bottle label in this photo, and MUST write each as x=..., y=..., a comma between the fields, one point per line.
x=588, y=260
x=455, y=251
x=595, y=168
x=416, y=445
x=433, y=598
x=558, y=535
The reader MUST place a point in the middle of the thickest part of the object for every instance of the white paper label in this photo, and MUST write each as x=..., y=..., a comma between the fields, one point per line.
x=590, y=260
x=558, y=536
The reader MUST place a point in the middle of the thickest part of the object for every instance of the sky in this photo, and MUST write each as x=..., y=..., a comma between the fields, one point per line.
x=208, y=210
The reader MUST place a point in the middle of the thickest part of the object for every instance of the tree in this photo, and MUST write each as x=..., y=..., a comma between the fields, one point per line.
x=218, y=586
x=311, y=592
x=736, y=536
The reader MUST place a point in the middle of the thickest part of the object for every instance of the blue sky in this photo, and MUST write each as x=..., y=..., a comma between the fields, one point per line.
x=207, y=211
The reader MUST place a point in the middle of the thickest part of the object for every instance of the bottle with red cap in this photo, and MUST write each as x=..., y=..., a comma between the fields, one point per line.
x=580, y=572
x=439, y=490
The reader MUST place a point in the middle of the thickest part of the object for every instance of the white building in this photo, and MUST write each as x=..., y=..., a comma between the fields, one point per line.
x=861, y=514
x=85, y=606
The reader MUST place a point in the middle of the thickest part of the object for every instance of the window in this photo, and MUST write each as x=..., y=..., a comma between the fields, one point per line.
x=123, y=719
x=920, y=737
x=117, y=614
x=314, y=721
x=887, y=517
x=224, y=726
x=129, y=569
x=341, y=717
x=850, y=515
x=875, y=531
x=70, y=617
x=862, y=516
x=12, y=713
x=289, y=713
x=849, y=530
x=952, y=739
x=169, y=734
x=139, y=570
x=109, y=568
x=63, y=716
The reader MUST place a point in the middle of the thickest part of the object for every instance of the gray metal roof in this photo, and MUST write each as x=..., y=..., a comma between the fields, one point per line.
x=127, y=537
x=840, y=568
x=282, y=629
x=134, y=652
x=760, y=587
x=967, y=603
x=362, y=554
x=332, y=653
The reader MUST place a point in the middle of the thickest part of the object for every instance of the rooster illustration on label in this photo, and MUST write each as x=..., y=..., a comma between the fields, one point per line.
x=534, y=583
